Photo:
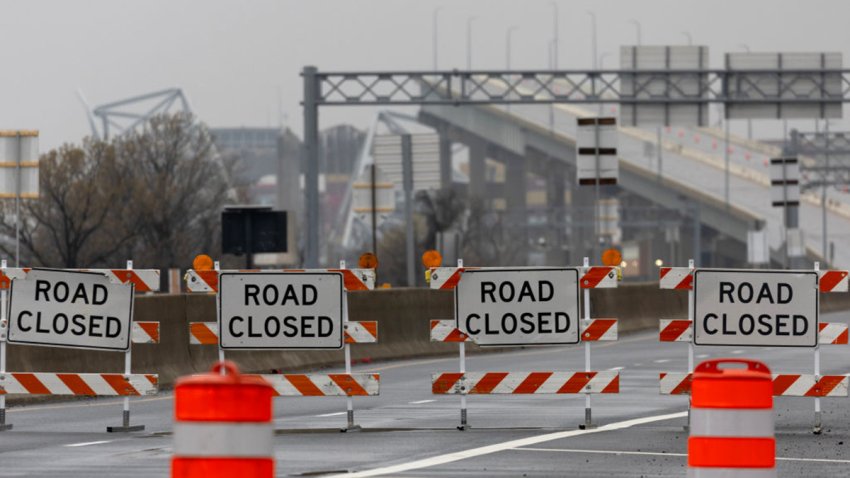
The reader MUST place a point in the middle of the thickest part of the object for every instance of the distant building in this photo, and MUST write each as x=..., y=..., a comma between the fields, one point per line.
x=256, y=149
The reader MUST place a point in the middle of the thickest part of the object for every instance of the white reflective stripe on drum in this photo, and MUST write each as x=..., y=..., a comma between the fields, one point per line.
x=724, y=422
x=217, y=439
x=732, y=473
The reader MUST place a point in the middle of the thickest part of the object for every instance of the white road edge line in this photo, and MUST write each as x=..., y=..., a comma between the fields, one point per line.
x=73, y=445
x=651, y=453
x=334, y=414
x=420, y=402
x=615, y=369
x=508, y=445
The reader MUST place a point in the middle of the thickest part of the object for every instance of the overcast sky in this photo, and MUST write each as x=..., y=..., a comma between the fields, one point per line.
x=235, y=58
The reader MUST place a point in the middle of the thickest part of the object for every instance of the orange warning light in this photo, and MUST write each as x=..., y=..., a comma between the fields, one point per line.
x=202, y=262
x=611, y=257
x=368, y=261
x=432, y=258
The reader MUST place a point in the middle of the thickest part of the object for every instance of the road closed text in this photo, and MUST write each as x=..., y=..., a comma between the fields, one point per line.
x=281, y=310
x=769, y=308
x=70, y=309
x=519, y=306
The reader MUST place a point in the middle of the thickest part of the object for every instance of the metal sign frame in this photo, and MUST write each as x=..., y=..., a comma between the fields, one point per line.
x=342, y=306
x=128, y=325
x=578, y=296
x=697, y=320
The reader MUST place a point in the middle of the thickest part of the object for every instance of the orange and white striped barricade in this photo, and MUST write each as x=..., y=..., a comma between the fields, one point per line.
x=354, y=332
x=678, y=330
x=784, y=385
x=812, y=385
x=223, y=425
x=732, y=432
x=538, y=382
x=126, y=385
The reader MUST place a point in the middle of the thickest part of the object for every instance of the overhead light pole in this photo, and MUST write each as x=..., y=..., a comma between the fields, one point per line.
x=592, y=37
x=508, y=35
x=637, y=30
x=555, y=40
x=434, y=34
x=746, y=48
x=469, y=21
x=689, y=38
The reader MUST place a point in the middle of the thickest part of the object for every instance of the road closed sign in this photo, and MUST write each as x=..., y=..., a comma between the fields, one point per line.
x=280, y=310
x=756, y=308
x=70, y=309
x=499, y=307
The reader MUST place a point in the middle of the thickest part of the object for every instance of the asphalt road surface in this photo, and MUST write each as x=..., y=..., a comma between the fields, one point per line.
x=407, y=431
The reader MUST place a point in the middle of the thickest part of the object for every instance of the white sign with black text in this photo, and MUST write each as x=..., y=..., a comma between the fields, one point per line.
x=280, y=310
x=70, y=309
x=498, y=307
x=769, y=308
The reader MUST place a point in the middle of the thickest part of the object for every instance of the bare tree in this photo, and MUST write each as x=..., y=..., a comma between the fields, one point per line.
x=181, y=186
x=489, y=238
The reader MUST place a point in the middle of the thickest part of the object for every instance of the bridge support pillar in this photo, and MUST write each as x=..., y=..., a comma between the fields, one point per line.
x=477, y=170
x=445, y=161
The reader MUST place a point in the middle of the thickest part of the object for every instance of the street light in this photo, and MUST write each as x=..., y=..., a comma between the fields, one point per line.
x=602, y=57
x=688, y=36
x=469, y=42
x=637, y=28
x=746, y=48
x=555, y=35
x=434, y=34
x=508, y=35
x=553, y=57
x=593, y=37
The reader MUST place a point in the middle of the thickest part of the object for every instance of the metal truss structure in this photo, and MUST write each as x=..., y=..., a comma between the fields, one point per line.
x=120, y=117
x=826, y=157
x=662, y=87
x=820, y=88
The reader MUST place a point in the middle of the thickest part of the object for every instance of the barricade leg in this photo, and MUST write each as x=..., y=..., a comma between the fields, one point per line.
x=691, y=343
x=464, y=425
x=818, y=426
x=349, y=402
x=3, y=328
x=125, y=422
x=588, y=413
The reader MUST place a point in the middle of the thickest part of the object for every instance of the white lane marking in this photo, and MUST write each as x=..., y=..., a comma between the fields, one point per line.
x=334, y=414
x=508, y=445
x=419, y=402
x=72, y=445
x=614, y=369
x=703, y=356
x=650, y=453
x=738, y=352
x=661, y=361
